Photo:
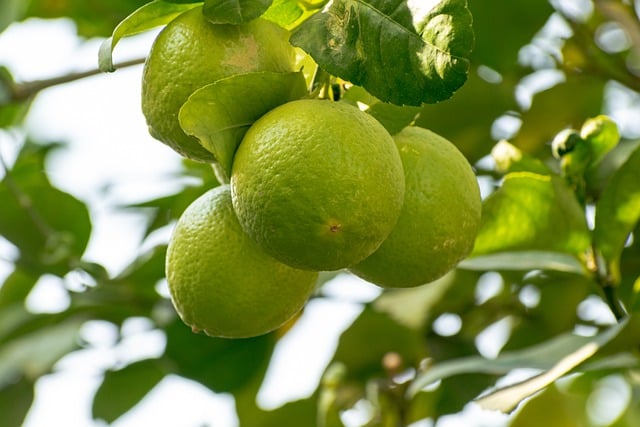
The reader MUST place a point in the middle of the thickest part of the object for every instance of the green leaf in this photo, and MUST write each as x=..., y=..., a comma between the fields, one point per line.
x=296, y=413
x=545, y=118
x=219, y=114
x=10, y=10
x=510, y=158
x=524, y=261
x=602, y=135
x=234, y=11
x=17, y=286
x=502, y=28
x=551, y=401
x=506, y=399
x=393, y=117
x=556, y=357
x=379, y=334
x=50, y=227
x=34, y=354
x=15, y=402
x=617, y=213
x=284, y=12
x=222, y=365
x=477, y=104
x=121, y=390
x=532, y=212
x=153, y=14
x=412, y=306
x=401, y=52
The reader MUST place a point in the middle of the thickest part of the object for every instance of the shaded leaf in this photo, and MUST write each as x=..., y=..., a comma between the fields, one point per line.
x=92, y=18
x=520, y=20
x=544, y=119
x=401, y=52
x=617, y=212
x=550, y=401
x=379, y=334
x=234, y=11
x=219, y=114
x=598, y=177
x=412, y=306
x=34, y=354
x=121, y=390
x=296, y=413
x=15, y=401
x=50, y=227
x=222, y=365
x=471, y=133
x=153, y=14
x=532, y=212
x=144, y=272
x=525, y=261
x=10, y=10
x=16, y=287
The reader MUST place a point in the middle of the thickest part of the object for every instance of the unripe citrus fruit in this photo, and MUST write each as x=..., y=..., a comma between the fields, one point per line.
x=318, y=184
x=221, y=282
x=189, y=53
x=439, y=219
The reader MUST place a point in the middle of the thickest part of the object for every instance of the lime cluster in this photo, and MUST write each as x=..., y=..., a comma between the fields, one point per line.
x=315, y=185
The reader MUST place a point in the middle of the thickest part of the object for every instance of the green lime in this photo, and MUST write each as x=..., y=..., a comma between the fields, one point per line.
x=189, y=53
x=440, y=217
x=221, y=282
x=318, y=184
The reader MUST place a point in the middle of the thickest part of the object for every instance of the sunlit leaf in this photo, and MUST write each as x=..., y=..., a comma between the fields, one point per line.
x=532, y=212
x=525, y=261
x=602, y=135
x=284, y=12
x=153, y=14
x=617, y=212
x=401, y=52
x=509, y=158
x=234, y=11
x=507, y=398
x=121, y=390
x=219, y=114
x=393, y=117
x=556, y=357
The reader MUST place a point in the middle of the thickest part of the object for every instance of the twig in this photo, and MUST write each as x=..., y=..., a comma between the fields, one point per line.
x=23, y=91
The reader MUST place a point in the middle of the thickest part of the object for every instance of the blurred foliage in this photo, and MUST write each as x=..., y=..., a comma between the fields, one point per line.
x=557, y=245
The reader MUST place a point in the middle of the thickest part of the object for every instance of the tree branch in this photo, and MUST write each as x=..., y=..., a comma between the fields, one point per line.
x=23, y=91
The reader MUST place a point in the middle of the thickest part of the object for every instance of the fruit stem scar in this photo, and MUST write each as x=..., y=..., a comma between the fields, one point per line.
x=334, y=228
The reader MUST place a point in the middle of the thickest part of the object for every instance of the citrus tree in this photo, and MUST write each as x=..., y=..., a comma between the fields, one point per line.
x=328, y=140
